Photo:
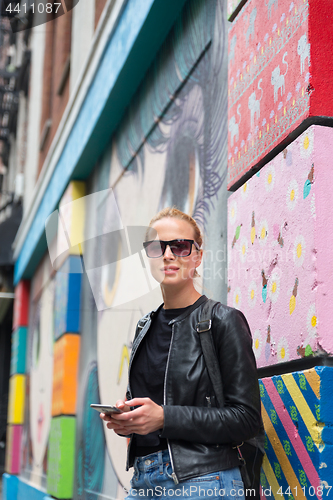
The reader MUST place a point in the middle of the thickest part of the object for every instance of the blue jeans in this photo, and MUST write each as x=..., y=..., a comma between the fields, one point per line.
x=152, y=479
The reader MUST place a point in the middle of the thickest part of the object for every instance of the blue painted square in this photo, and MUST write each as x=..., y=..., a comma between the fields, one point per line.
x=28, y=492
x=9, y=487
x=68, y=297
x=18, y=353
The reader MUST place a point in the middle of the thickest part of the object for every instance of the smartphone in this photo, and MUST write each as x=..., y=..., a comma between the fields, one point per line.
x=107, y=409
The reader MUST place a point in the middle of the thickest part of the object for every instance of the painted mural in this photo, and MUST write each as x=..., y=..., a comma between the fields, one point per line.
x=39, y=373
x=278, y=268
x=166, y=152
x=170, y=149
x=269, y=74
x=18, y=379
x=298, y=422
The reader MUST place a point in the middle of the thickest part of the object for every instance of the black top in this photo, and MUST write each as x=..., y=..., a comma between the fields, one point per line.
x=148, y=370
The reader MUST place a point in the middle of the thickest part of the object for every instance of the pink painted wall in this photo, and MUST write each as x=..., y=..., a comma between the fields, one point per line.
x=279, y=248
x=324, y=234
x=280, y=62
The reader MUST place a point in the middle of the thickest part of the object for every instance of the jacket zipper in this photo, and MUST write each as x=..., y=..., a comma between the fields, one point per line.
x=140, y=337
x=209, y=403
x=173, y=475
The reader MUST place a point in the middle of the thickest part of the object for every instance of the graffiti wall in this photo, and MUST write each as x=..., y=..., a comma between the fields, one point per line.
x=278, y=231
x=166, y=152
x=92, y=287
x=277, y=78
x=39, y=375
x=297, y=416
x=278, y=274
x=18, y=379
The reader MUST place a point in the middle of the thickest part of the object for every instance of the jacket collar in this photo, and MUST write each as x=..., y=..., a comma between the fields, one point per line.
x=194, y=306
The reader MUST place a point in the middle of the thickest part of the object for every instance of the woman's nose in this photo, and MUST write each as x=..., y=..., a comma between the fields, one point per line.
x=168, y=253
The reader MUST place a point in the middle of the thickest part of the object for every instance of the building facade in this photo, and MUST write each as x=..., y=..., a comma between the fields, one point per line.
x=119, y=125
x=131, y=106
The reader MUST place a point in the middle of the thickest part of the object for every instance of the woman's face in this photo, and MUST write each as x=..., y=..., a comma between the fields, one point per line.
x=170, y=270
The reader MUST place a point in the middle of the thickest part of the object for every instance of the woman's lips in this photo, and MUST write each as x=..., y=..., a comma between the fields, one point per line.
x=168, y=270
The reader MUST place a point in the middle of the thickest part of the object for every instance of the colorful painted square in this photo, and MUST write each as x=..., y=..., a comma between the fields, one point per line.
x=68, y=297
x=13, y=449
x=21, y=304
x=28, y=491
x=16, y=399
x=295, y=418
x=279, y=62
x=279, y=250
x=61, y=455
x=65, y=371
x=72, y=217
x=9, y=487
x=18, y=353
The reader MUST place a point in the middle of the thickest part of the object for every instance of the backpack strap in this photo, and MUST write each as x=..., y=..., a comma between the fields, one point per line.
x=204, y=328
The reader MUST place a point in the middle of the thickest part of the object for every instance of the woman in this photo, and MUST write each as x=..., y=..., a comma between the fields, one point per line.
x=181, y=442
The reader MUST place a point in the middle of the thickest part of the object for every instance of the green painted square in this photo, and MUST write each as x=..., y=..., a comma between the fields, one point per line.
x=18, y=352
x=61, y=457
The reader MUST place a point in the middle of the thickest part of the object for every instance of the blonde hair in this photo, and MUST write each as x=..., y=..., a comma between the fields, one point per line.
x=174, y=213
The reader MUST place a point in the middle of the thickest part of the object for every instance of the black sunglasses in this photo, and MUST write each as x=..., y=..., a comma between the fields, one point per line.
x=179, y=248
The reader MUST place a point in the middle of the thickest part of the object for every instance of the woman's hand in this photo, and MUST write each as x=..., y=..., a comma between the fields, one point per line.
x=148, y=417
x=107, y=418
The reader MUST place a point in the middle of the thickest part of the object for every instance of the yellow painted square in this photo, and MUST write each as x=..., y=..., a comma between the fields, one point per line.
x=16, y=399
x=72, y=209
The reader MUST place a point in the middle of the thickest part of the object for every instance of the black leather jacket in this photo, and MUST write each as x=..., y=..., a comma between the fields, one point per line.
x=199, y=434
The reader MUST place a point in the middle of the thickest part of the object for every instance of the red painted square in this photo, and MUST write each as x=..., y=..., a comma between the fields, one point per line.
x=280, y=77
x=21, y=304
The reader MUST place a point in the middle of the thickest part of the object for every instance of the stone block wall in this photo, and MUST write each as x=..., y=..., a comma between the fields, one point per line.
x=66, y=350
x=17, y=381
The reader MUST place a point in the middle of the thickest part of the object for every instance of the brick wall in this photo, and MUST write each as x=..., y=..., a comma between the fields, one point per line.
x=56, y=79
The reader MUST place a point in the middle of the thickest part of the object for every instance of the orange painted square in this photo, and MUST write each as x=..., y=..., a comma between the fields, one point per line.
x=65, y=373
